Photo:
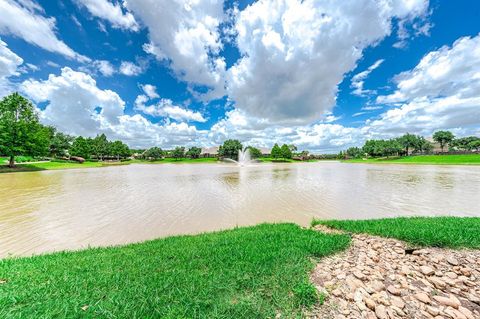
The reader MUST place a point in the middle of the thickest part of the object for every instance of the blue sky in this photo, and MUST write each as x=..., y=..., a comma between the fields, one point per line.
x=323, y=77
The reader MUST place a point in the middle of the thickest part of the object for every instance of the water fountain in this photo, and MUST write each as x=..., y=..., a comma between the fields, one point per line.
x=244, y=158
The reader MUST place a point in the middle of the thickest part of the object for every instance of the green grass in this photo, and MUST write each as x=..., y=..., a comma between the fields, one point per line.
x=56, y=165
x=463, y=159
x=452, y=232
x=275, y=160
x=49, y=166
x=251, y=272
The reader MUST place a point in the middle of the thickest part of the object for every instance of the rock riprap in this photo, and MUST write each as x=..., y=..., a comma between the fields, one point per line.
x=385, y=278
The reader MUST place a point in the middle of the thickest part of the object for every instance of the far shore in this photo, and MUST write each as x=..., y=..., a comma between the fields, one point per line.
x=451, y=159
x=463, y=159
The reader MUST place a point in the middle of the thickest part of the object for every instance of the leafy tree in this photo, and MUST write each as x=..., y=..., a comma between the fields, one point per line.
x=354, y=152
x=194, y=152
x=292, y=148
x=20, y=129
x=60, y=143
x=154, y=153
x=178, y=152
x=276, y=151
x=475, y=145
x=443, y=138
x=286, y=152
x=464, y=143
x=408, y=141
x=423, y=146
x=118, y=149
x=254, y=152
x=82, y=147
x=100, y=146
x=230, y=149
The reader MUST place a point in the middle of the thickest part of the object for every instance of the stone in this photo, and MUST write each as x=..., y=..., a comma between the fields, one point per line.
x=427, y=270
x=454, y=313
x=434, y=311
x=337, y=292
x=445, y=301
x=452, y=261
x=393, y=290
x=381, y=312
x=423, y=297
x=466, y=312
x=437, y=282
x=398, y=302
x=451, y=275
x=359, y=275
x=370, y=304
x=377, y=285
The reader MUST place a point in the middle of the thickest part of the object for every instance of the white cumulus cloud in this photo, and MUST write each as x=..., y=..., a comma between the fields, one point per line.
x=130, y=68
x=24, y=19
x=112, y=12
x=295, y=53
x=9, y=66
x=186, y=34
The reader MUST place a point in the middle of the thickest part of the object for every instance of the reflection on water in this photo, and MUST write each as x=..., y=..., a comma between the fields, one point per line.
x=56, y=210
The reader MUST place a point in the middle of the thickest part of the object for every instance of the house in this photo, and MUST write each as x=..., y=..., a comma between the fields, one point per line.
x=265, y=151
x=436, y=146
x=209, y=151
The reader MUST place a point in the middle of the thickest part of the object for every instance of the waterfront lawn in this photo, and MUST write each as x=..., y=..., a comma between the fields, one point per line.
x=460, y=159
x=54, y=165
x=452, y=232
x=275, y=160
x=251, y=272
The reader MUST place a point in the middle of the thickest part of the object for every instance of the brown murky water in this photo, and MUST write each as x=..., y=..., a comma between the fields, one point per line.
x=72, y=209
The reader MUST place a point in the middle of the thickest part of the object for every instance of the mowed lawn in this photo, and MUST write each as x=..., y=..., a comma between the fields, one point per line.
x=252, y=272
x=462, y=159
x=451, y=232
x=56, y=165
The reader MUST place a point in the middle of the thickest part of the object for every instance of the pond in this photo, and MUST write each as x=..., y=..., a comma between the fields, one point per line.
x=72, y=209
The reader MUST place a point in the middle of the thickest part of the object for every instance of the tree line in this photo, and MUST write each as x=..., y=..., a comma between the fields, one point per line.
x=408, y=144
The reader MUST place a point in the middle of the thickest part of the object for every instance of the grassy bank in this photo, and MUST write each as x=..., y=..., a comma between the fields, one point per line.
x=41, y=166
x=463, y=159
x=252, y=272
x=452, y=232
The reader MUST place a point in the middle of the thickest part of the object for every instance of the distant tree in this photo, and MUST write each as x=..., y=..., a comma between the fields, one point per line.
x=178, y=152
x=154, y=153
x=20, y=130
x=286, y=152
x=254, y=152
x=118, y=149
x=276, y=151
x=464, y=143
x=60, y=143
x=194, y=152
x=230, y=149
x=475, y=145
x=443, y=138
x=292, y=148
x=100, y=146
x=392, y=147
x=82, y=147
x=423, y=146
x=408, y=141
x=354, y=152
